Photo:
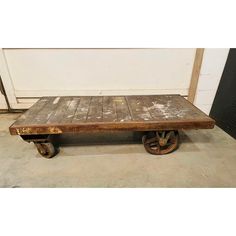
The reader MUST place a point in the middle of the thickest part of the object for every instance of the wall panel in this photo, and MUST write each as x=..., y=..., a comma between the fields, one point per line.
x=40, y=72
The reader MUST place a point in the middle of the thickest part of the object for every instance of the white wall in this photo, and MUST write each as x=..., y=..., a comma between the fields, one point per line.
x=31, y=73
x=214, y=60
x=39, y=72
x=3, y=104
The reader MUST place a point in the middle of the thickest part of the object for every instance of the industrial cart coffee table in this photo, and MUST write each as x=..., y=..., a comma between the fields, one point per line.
x=160, y=116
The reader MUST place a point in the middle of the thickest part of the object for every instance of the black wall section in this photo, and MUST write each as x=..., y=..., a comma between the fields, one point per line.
x=224, y=106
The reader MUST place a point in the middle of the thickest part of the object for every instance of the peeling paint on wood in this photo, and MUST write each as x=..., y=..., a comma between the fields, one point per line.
x=56, y=100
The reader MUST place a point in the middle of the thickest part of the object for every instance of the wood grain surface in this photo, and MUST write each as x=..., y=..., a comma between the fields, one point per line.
x=54, y=115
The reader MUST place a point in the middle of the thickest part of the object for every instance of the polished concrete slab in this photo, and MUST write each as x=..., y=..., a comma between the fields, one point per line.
x=205, y=158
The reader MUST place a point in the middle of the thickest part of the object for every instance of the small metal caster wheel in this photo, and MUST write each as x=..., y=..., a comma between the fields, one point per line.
x=161, y=142
x=46, y=150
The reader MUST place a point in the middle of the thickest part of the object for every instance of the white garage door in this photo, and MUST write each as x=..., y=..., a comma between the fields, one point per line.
x=31, y=73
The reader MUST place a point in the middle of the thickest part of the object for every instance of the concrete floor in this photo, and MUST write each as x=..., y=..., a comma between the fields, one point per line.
x=205, y=158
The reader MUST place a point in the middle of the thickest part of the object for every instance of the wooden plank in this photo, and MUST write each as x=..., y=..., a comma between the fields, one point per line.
x=45, y=112
x=156, y=107
x=109, y=109
x=172, y=107
x=177, y=110
x=49, y=110
x=195, y=74
x=82, y=110
x=138, y=108
x=59, y=108
x=122, y=109
x=28, y=116
x=95, y=109
x=187, y=111
x=112, y=126
x=70, y=112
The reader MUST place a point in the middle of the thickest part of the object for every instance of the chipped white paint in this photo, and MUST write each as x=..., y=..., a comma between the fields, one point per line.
x=144, y=116
x=107, y=112
x=56, y=100
x=182, y=113
x=83, y=109
x=73, y=103
x=166, y=111
x=48, y=116
x=156, y=105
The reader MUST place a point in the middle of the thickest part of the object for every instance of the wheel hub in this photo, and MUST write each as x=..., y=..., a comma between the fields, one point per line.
x=161, y=142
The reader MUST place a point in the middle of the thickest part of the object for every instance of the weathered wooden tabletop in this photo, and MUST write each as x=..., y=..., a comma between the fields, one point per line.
x=54, y=115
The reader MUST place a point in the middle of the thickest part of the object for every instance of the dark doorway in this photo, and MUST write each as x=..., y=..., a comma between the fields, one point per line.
x=224, y=106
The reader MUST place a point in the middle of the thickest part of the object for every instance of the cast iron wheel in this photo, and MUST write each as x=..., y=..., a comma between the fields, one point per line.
x=46, y=150
x=161, y=142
